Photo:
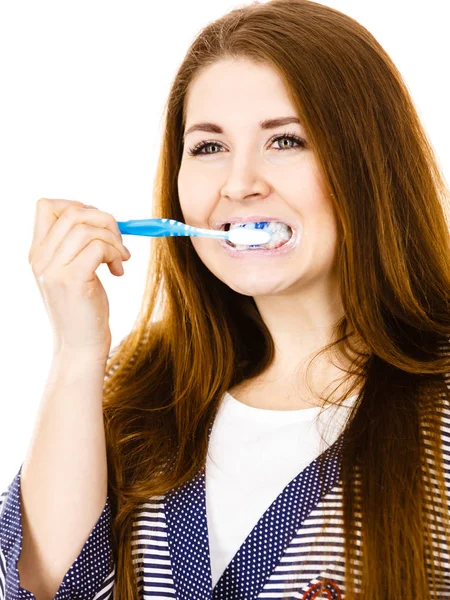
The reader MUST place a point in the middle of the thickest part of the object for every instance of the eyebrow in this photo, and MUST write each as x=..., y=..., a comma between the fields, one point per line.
x=267, y=124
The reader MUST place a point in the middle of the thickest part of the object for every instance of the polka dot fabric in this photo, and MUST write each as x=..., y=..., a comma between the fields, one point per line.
x=171, y=548
x=90, y=572
x=187, y=535
x=254, y=562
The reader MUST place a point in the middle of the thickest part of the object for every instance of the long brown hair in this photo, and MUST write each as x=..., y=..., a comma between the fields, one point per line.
x=195, y=338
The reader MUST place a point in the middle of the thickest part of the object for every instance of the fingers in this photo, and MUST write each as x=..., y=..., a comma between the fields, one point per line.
x=60, y=251
x=54, y=220
x=82, y=268
x=47, y=213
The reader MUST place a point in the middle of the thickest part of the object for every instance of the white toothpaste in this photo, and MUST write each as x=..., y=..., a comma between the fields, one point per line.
x=245, y=235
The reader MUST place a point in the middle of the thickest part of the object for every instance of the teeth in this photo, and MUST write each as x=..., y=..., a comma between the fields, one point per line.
x=281, y=233
x=257, y=224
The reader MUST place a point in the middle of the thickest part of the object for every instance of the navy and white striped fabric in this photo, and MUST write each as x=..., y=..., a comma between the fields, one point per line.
x=296, y=546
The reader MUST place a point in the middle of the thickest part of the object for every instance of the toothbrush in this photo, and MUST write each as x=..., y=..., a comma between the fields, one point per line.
x=170, y=227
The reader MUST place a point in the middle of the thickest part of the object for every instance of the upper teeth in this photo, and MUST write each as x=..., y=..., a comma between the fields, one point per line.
x=253, y=222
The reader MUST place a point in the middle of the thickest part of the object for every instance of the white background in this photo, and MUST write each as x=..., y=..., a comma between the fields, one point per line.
x=82, y=90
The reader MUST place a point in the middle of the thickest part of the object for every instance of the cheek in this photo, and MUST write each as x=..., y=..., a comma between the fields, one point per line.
x=320, y=224
x=207, y=253
x=186, y=195
x=193, y=197
x=192, y=180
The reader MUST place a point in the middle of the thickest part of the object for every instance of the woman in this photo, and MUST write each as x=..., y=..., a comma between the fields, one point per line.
x=235, y=471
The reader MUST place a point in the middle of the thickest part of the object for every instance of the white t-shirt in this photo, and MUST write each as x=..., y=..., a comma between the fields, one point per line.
x=253, y=454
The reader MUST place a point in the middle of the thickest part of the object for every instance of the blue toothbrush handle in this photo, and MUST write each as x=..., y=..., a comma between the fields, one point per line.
x=153, y=227
x=170, y=227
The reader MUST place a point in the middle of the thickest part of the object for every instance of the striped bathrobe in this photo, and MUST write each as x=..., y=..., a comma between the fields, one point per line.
x=296, y=546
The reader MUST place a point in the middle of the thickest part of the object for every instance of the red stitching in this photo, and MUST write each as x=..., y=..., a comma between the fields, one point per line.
x=319, y=587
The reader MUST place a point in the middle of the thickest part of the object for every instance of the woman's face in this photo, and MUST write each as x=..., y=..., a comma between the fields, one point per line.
x=243, y=171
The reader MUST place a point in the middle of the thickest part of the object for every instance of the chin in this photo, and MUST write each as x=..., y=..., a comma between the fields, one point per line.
x=248, y=281
x=246, y=287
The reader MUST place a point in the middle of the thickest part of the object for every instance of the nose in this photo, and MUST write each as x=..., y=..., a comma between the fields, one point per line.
x=245, y=179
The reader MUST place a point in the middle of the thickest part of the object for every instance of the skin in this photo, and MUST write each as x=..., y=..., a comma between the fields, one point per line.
x=242, y=172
